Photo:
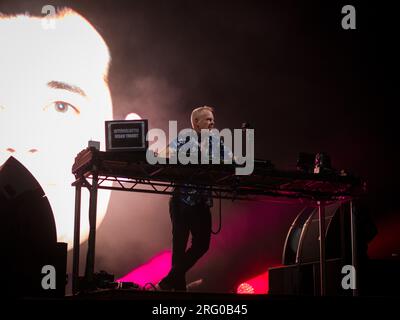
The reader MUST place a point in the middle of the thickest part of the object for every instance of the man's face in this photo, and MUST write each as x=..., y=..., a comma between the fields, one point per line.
x=53, y=100
x=205, y=120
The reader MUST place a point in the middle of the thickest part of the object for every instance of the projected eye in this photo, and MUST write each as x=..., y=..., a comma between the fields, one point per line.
x=63, y=107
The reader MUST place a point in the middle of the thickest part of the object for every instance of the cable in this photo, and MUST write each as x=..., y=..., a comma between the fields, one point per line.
x=220, y=218
x=149, y=284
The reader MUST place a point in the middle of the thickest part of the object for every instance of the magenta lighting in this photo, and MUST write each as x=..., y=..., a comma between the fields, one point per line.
x=151, y=272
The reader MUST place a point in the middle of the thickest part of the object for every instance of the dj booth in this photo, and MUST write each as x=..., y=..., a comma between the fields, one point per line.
x=129, y=171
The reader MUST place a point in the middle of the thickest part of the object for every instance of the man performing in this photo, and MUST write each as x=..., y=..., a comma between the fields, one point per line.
x=189, y=211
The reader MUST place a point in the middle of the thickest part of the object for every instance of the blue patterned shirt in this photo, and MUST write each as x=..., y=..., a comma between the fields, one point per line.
x=189, y=193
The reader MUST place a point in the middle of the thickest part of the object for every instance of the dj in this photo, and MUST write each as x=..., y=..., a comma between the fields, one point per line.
x=190, y=211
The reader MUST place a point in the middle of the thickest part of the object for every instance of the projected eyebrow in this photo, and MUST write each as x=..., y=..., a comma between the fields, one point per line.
x=66, y=86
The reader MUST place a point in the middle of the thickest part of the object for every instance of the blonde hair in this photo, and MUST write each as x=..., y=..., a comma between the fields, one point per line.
x=197, y=111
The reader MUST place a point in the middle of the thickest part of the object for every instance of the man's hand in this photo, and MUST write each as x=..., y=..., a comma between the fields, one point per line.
x=166, y=153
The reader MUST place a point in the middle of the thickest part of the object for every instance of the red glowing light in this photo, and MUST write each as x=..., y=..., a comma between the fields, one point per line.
x=256, y=285
x=245, y=288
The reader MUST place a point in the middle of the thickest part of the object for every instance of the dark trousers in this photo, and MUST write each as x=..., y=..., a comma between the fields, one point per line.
x=186, y=219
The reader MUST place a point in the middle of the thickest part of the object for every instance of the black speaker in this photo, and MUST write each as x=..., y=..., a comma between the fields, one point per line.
x=28, y=235
x=300, y=273
x=304, y=279
x=302, y=240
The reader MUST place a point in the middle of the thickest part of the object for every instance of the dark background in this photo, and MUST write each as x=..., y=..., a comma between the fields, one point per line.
x=287, y=67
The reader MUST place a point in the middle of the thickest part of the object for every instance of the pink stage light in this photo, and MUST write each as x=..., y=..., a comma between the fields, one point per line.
x=245, y=288
x=256, y=285
x=152, y=271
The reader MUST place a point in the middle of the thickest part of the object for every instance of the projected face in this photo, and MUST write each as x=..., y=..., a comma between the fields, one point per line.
x=54, y=98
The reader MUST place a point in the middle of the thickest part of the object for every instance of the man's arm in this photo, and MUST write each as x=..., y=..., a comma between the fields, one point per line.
x=170, y=150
